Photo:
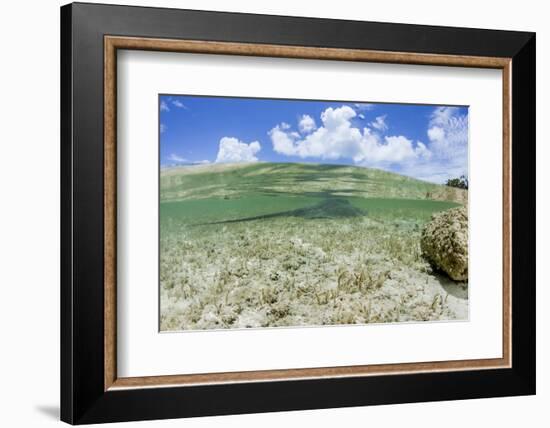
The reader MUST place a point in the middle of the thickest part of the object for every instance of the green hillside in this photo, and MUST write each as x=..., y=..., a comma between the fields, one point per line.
x=246, y=192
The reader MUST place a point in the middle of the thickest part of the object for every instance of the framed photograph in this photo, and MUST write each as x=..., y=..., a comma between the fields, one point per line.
x=265, y=213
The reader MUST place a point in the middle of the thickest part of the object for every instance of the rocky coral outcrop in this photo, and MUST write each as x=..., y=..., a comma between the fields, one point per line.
x=444, y=242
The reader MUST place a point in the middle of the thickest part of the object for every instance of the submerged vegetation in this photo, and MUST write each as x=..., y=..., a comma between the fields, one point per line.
x=270, y=245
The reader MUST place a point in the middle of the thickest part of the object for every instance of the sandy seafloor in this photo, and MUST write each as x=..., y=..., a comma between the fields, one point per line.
x=292, y=271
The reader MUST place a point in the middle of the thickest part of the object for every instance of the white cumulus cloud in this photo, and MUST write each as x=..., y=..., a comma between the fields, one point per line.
x=380, y=123
x=337, y=138
x=306, y=124
x=396, y=149
x=179, y=104
x=363, y=106
x=164, y=106
x=232, y=150
x=448, y=132
x=176, y=158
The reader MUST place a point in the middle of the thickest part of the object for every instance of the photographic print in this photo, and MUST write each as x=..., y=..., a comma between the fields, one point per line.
x=293, y=213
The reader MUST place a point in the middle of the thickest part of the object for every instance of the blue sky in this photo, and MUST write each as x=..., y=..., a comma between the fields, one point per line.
x=425, y=142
